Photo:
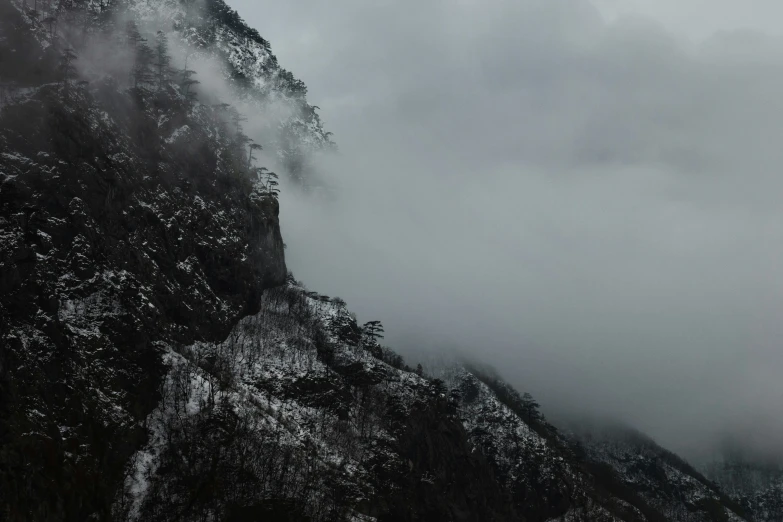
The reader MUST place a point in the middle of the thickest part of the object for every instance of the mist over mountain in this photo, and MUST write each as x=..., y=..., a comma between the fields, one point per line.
x=555, y=224
x=585, y=193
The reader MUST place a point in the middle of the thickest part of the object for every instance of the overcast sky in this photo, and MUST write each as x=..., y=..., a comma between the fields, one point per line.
x=585, y=195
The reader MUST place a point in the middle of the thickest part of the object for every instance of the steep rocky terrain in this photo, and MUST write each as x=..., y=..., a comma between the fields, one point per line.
x=125, y=228
x=756, y=484
x=670, y=486
x=159, y=363
x=295, y=417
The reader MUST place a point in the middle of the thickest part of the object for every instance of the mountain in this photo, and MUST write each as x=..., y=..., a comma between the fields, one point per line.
x=160, y=363
x=756, y=484
x=129, y=226
x=667, y=483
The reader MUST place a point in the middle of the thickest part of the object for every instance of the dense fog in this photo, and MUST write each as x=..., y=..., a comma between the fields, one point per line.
x=586, y=196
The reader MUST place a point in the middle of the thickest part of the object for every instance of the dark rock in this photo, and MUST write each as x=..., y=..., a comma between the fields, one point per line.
x=105, y=258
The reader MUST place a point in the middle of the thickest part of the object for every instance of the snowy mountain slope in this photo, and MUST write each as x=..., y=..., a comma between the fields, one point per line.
x=533, y=469
x=546, y=474
x=215, y=31
x=766, y=504
x=124, y=228
x=343, y=412
x=666, y=482
x=327, y=424
x=754, y=484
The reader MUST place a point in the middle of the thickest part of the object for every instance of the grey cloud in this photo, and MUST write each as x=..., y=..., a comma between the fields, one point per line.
x=592, y=207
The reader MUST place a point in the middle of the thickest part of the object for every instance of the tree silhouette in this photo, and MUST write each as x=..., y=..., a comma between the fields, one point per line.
x=343, y=326
x=142, y=69
x=240, y=138
x=253, y=147
x=530, y=407
x=236, y=119
x=372, y=330
x=187, y=82
x=162, y=59
x=66, y=69
x=132, y=34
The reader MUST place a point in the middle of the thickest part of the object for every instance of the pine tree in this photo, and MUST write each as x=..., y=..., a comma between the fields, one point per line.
x=132, y=34
x=343, y=326
x=236, y=119
x=142, y=69
x=187, y=82
x=530, y=408
x=260, y=173
x=253, y=147
x=162, y=59
x=141, y=72
x=438, y=388
x=66, y=69
x=373, y=330
x=240, y=138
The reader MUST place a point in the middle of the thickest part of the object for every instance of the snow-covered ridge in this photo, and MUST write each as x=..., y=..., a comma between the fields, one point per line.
x=664, y=480
x=211, y=29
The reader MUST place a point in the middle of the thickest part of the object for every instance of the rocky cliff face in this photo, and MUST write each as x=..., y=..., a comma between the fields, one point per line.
x=124, y=230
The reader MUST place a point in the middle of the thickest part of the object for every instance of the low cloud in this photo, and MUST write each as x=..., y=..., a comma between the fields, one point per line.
x=591, y=206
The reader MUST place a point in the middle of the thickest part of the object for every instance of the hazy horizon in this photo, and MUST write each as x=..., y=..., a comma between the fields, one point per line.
x=584, y=195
